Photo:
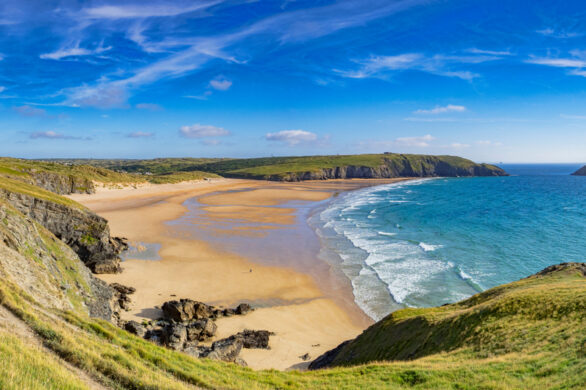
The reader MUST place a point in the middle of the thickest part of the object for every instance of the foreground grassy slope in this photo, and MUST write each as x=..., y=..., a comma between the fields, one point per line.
x=544, y=314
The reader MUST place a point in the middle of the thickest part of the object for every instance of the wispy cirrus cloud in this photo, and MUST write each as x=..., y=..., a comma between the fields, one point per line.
x=54, y=135
x=188, y=54
x=203, y=131
x=292, y=137
x=74, y=50
x=441, y=110
x=439, y=64
x=141, y=10
x=575, y=63
x=560, y=34
x=149, y=106
x=140, y=134
x=30, y=111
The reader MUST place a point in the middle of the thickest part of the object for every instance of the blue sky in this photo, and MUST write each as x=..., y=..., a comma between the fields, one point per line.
x=489, y=80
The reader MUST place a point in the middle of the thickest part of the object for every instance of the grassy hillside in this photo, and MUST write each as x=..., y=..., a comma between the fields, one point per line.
x=296, y=168
x=540, y=319
x=107, y=172
x=22, y=169
x=157, y=166
x=504, y=358
x=275, y=167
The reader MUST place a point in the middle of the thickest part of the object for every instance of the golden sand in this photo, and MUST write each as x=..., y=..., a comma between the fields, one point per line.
x=289, y=303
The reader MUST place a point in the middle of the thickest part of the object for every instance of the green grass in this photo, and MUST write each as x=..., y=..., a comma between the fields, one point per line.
x=19, y=169
x=24, y=366
x=281, y=167
x=21, y=187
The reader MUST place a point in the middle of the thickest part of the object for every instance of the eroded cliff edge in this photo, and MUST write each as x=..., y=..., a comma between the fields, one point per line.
x=86, y=233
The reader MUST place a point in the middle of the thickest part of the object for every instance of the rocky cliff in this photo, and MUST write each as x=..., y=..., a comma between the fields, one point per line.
x=62, y=184
x=429, y=167
x=86, y=233
x=47, y=269
x=580, y=172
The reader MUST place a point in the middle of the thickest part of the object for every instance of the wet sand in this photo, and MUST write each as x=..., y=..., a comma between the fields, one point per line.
x=310, y=312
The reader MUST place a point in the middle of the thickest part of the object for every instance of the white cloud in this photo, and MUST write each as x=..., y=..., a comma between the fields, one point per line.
x=441, y=65
x=420, y=142
x=29, y=111
x=2, y=89
x=575, y=117
x=74, y=51
x=140, y=134
x=558, y=62
x=458, y=145
x=550, y=32
x=52, y=135
x=144, y=10
x=203, y=131
x=291, y=137
x=441, y=109
x=220, y=84
x=488, y=143
x=101, y=96
x=149, y=106
x=203, y=96
x=490, y=52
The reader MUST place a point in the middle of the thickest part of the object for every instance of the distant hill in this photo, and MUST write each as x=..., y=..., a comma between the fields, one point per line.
x=580, y=172
x=350, y=166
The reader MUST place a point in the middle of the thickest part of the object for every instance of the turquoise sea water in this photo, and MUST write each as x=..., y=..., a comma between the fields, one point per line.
x=435, y=241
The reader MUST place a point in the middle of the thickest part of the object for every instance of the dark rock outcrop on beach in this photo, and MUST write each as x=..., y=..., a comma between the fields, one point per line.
x=580, y=172
x=82, y=230
x=121, y=295
x=186, y=323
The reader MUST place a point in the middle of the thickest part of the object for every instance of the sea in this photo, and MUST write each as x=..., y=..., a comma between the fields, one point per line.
x=434, y=241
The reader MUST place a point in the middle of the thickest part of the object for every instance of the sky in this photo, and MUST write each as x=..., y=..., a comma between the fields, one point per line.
x=494, y=81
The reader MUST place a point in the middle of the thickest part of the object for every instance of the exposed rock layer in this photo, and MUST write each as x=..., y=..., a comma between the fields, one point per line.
x=580, y=172
x=63, y=184
x=83, y=231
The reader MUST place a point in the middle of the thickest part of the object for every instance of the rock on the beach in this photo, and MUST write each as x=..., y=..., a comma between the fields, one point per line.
x=135, y=328
x=226, y=350
x=254, y=338
x=175, y=336
x=186, y=309
x=243, y=308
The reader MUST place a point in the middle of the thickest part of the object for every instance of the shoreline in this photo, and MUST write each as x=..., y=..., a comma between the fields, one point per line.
x=305, y=317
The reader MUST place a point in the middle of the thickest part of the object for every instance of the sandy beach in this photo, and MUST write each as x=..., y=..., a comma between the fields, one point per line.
x=307, y=316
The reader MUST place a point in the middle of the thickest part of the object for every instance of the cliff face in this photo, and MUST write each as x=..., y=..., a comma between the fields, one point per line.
x=62, y=184
x=47, y=269
x=86, y=233
x=430, y=166
x=392, y=171
x=580, y=172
